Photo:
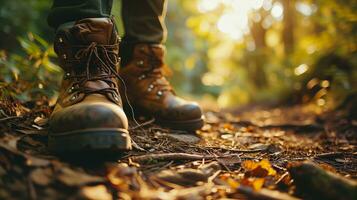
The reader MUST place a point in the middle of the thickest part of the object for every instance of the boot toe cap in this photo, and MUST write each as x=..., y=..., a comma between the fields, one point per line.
x=184, y=112
x=88, y=116
x=190, y=111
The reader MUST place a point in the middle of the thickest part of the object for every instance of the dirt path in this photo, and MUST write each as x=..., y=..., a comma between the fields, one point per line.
x=252, y=154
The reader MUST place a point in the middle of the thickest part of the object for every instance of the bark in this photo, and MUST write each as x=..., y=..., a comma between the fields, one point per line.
x=289, y=25
x=320, y=184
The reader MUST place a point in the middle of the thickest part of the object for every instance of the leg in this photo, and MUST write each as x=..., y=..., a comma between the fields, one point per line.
x=143, y=69
x=144, y=21
x=63, y=11
x=88, y=115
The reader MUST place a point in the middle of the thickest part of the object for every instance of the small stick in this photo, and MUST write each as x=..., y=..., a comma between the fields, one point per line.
x=143, y=124
x=264, y=194
x=239, y=150
x=282, y=178
x=136, y=146
x=171, y=156
x=303, y=127
x=329, y=155
x=10, y=118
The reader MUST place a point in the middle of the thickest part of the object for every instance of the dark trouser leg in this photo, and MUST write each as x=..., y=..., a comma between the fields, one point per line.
x=144, y=20
x=64, y=11
x=143, y=23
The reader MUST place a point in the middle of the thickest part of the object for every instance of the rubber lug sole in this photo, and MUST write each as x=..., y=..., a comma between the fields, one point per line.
x=187, y=125
x=90, y=140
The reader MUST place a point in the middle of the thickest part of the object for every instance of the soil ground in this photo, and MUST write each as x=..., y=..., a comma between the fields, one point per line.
x=244, y=153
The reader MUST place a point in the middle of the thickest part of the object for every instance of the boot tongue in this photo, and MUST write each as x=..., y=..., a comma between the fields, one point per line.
x=99, y=30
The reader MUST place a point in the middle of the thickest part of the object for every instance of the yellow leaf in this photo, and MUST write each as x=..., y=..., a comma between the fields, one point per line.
x=232, y=183
x=258, y=183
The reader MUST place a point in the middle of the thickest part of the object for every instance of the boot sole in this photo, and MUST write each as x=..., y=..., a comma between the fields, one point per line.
x=187, y=125
x=90, y=140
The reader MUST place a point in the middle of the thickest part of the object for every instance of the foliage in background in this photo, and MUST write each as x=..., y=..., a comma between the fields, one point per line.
x=235, y=51
x=19, y=17
x=245, y=51
x=34, y=74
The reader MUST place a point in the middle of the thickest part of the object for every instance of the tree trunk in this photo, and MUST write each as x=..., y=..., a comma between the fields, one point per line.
x=288, y=31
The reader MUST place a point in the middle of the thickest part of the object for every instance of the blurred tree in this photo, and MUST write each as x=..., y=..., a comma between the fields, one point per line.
x=289, y=25
x=238, y=51
x=18, y=17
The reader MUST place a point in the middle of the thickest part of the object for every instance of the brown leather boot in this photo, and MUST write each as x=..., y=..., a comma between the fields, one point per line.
x=151, y=94
x=88, y=114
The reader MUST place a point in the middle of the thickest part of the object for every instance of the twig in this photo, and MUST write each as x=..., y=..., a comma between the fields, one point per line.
x=10, y=118
x=238, y=150
x=305, y=127
x=136, y=146
x=279, y=167
x=171, y=156
x=210, y=179
x=282, y=178
x=264, y=194
x=143, y=124
x=329, y=155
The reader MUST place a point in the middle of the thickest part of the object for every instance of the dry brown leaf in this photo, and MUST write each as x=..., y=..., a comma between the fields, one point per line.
x=258, y=183
x=98, y=192
x=41, y=176
x=77, y=178
x=258, y=146
x=186, y=177
x=122, y=176
x=234, y=159
x=258, y=169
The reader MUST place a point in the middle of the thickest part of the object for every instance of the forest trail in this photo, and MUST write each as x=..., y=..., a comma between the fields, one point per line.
x=252, y=153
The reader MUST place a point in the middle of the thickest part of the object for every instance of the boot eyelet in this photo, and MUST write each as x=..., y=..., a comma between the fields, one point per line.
x=142, y=77
x=151, y=86
x=140, y=63
x=74, y=97
x=64, y=56
x=159, y=93
x=60, y=40
x=71, y=89
x=115, y=96
x=67, y=75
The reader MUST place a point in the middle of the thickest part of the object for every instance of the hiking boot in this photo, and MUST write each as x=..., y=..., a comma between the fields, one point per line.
x=88, y=114
x=151, y=94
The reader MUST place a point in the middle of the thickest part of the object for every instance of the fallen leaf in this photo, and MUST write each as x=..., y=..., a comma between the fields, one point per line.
x=226, y=136
x=258, y=169
x=187, y=138
x=40, y=121
x=120, y=176
x=186, y=177
x=234, y=159
x=233, y=183
x=98, y=192
x=37, y=162
x=258, y=183
x=77, y=178
x=258, y=146
x=41, y=176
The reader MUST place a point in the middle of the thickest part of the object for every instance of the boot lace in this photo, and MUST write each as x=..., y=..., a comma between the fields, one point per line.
x=99, y=56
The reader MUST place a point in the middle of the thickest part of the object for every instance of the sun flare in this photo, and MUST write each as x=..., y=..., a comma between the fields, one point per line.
x=234, y=21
